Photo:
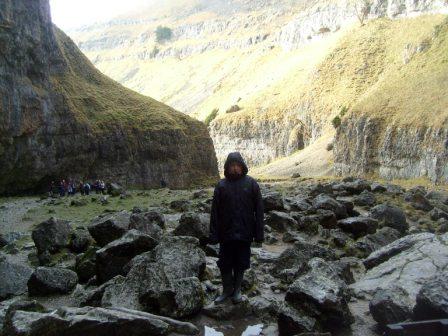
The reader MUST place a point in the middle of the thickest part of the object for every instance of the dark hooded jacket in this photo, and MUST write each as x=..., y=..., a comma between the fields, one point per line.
x=237, y=207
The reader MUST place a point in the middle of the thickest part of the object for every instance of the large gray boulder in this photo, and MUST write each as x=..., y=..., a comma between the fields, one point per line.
x=403, y=267
x=85, y=265
x=391, y=305
x=293, y=322
x=184, y=297
x=352, y=187
x=273, y=200
x=358, y=226
x=416, y=197
x=51, y=280
x=395, y=248
x=151, y=223
x=52, y=235
x=80, y=240
x=194, y=225
x=366, y=198
x=13, y=277
x=391, y=216
x=372, y=242
x=432, y=300
x=322, y=294
x=295, y=258
x=326, y=202
x=159, y=274
x=110, y=227
x=89, y=321
x=281, y=221
x=111, y=259
x=18, y=303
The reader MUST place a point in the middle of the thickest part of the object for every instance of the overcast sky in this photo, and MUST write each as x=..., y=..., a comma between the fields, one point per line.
x=68, y=14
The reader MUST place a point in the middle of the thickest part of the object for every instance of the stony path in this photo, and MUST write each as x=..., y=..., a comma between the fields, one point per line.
x=12, y=212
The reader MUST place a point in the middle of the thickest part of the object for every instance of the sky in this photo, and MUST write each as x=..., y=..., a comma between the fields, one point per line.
x=69, y=14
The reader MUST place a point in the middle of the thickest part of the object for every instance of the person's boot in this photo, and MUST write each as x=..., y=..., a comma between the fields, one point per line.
x=238, y=281
x=227, y=287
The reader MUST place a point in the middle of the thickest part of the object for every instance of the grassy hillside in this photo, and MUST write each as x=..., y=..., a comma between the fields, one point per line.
x=106, y=104
x=392, y=69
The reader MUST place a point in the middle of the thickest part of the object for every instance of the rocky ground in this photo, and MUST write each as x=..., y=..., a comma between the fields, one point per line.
x=341, y=257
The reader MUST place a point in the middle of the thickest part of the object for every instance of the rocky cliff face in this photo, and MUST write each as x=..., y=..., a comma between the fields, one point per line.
x=60, y=117
x=399, y=129
x=272, y=59
x=365, y=146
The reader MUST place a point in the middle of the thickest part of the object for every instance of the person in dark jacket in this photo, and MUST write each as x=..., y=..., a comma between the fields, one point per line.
x=236, y=221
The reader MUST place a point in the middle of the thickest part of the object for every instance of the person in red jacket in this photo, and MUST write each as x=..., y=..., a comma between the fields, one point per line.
x=236, y=221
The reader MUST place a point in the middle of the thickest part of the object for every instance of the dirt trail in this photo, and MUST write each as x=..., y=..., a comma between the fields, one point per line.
x=12, y=212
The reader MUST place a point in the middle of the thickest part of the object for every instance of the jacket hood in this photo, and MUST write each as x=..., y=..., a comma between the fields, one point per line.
x=234, y=157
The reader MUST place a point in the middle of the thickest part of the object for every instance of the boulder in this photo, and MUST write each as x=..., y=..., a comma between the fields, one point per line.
x=395, y=248
x=416, y=197
x=280, y=221
x=437, y=214
x=111, y=259
x=377, y=187
x=194, y=225
x=155, y=274
x=80, y=240
x=293, y=322
x=322, y=294
x=339, y=238
x=180, y=205
x=51, y=280
x=405, y=265
x=394, y=189
x=298, y=204
x=297, y=256
x=358, y=226
x=185, y=297
x=391, y=216
x=18, y=303
x=391, y=305
x=366, y=198
x=273, y=201
x=52, y=235
x=326, y=202
x=356, y=186
x=230, y=311
x=90, y=321
x=432, y=299
x=85, y=265
x=151, y=223
x=372, y=242
x=326, y=218
x=110, y=227
x=13, y=277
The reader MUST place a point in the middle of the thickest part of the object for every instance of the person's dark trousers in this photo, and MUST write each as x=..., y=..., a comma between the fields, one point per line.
x=234, y=259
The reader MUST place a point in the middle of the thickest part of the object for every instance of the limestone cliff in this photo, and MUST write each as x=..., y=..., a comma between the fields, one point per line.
x=399, y=128
x=60, y=117
x=288, y=68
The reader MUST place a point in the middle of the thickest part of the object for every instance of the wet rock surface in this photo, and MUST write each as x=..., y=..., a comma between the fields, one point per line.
x=51, y=280
x=317, y=274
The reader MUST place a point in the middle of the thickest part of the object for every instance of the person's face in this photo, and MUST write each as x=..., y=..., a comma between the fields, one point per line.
x=235, y=168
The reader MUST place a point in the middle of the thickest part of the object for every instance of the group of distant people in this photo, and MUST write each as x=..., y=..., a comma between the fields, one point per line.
x=71, y=187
